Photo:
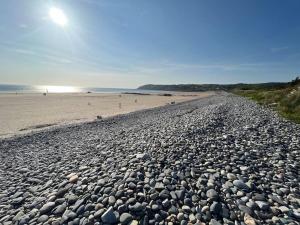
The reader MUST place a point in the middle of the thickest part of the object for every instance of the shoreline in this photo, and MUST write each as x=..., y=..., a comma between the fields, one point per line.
x=27, y=113
x=78, y=123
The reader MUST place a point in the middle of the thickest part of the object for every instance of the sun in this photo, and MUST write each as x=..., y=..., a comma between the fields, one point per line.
x=58, y=16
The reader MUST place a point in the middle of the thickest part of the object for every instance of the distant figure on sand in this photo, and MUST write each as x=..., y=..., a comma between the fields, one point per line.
x=45, y=93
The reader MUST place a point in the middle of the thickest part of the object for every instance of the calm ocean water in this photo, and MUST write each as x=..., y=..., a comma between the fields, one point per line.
x=9, y=88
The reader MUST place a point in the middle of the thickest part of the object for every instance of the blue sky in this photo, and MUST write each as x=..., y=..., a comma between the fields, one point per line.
x=134, y=42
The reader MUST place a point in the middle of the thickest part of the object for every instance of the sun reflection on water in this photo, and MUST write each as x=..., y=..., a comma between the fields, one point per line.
x=58, y=89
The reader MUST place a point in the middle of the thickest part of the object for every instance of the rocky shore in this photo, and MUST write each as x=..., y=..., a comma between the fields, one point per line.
x=217, y=160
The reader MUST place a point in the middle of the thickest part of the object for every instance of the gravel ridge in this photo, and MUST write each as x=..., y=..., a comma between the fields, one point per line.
x=217, y=160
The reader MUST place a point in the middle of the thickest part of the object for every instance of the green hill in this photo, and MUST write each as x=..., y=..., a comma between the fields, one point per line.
x=210, y=87
x=283, y=97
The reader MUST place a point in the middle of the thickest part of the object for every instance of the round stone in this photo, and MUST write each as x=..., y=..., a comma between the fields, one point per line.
x=73, y=179
x=211, y=193
x=125, y=218
x=47, y=207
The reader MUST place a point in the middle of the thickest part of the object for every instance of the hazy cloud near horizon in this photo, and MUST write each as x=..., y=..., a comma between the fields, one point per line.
x=131, y=43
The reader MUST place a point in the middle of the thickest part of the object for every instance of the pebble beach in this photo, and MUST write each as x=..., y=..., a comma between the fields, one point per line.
x=219, y=159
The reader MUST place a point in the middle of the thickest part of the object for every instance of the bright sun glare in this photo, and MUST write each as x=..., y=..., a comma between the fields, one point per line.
x=57, y=89
x=58, y=16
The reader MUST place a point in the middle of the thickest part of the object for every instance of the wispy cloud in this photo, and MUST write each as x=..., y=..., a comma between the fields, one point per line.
x=161, y=67
x=23, y=25
x=198, y=67
x=45, y=55
x=42, y=56
x=105, y=3
x=23, y=51
x=53, y=58
x=279, y=49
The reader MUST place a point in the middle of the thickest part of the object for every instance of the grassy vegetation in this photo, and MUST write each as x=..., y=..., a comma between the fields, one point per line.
x=211, y=87
x=284, y=99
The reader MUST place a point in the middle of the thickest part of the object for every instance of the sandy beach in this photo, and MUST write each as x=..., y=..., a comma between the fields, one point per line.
x=23, y=113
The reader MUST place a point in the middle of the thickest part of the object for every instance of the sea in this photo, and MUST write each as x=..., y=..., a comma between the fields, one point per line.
x=12, y=88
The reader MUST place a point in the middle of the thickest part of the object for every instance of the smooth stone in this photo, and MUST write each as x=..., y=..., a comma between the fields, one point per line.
x=125, y=218
x=214, y=222
x=24, y=220
x=159, y=186
x=186, y=208
x=132, y=185
x=192, y=218
x=19, y=215
x=101, y=182
x=61, y=192
x=246, y=210
x=33, y=213
x=249, y=220
x=47, y=207
x=42, y=219
x=211, y=193
x=89, y=207
x=173, y=210
x=107, y=190
x=154, y=196
x=142, y=156
x=166, y=203
x=180, y=194
x=244, y=168
x=155, y=207
x=99, y=213
x=109, y=216
x=195, y=198
x=173, y=195
x=241, y=185
x=73, y=179
x=122, y=208
x=137, y=207
x=224, y=211
x=183, y=222
x=85, y=180
x=259, y=197
x=71, y=198
x=131, y=201
x=296, y=214
x=277, y=199
x=111, y=200
x=205, y=209
x=184, y=184
x=144, y=220
x=252, y=205
x=216, y=208
x=231, y=176
x=134, y=222
x=59, y=210
x=180, y=216
x=4, y=218
x=284, y=209
x=71, y=175
x=263, y=205
x=72, y=215
x=77, y=204
x=17, y=201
